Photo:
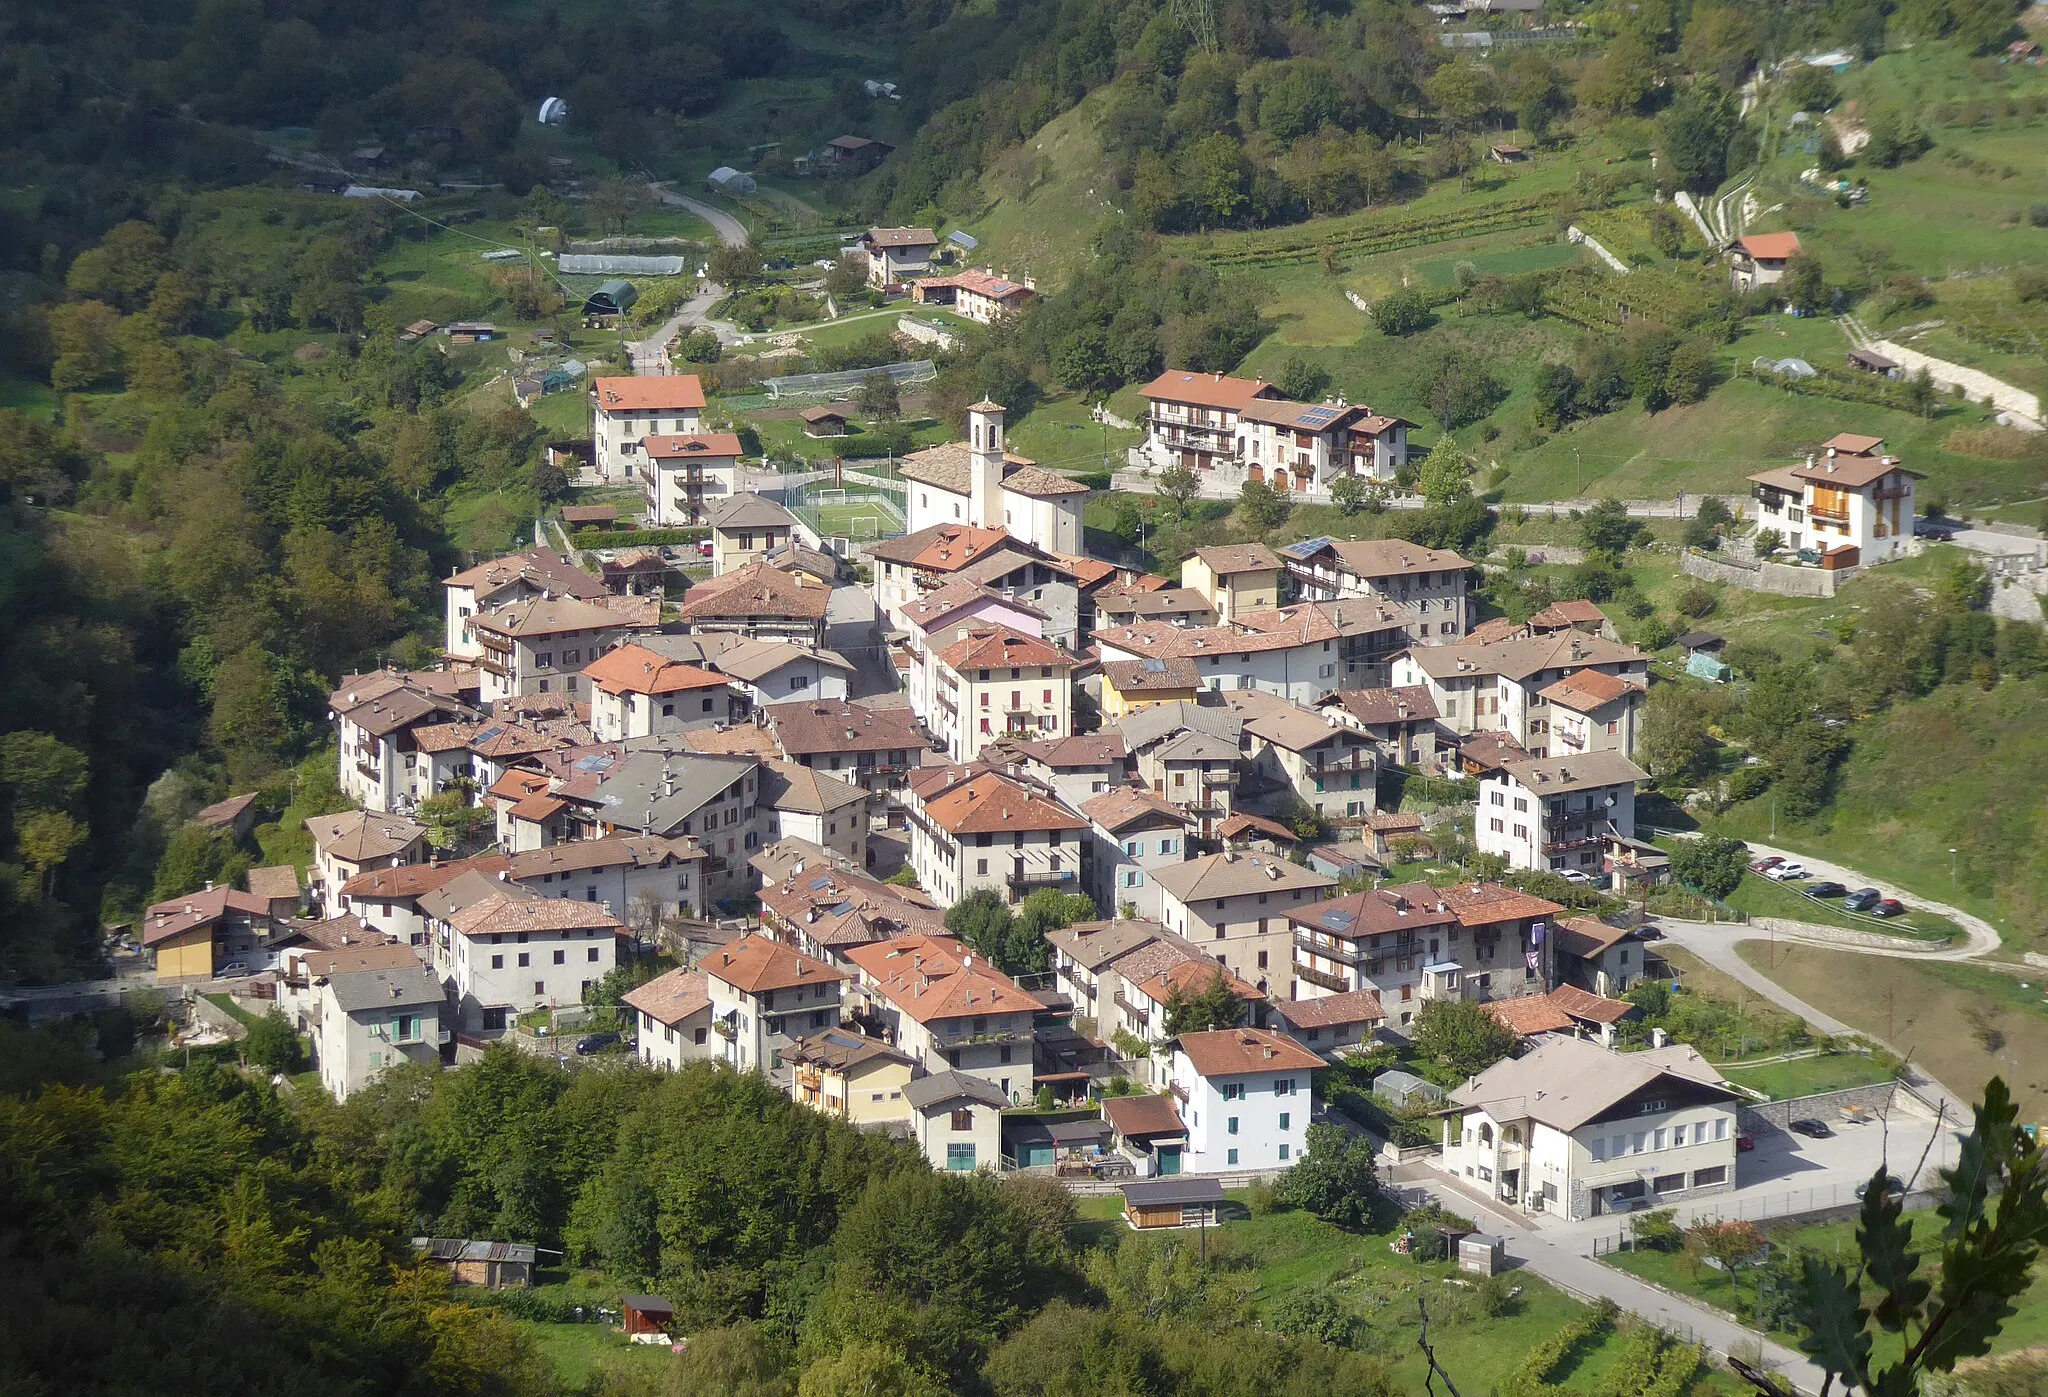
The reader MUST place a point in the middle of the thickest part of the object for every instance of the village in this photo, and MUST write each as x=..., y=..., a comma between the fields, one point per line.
x=785, y=779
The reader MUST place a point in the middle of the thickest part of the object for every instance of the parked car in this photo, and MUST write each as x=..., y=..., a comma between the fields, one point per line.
x=1744, y=1143
x=1828, y=889
x=1895, y=1185
x=1862, y=900
x=703, y=547
x=1788, y=872
x=596, y=1043
x=231, y=969
x=1888, y=907
x=1767, y=864
x=1940, y=530
x=1573, y=875
x=1808, y=1126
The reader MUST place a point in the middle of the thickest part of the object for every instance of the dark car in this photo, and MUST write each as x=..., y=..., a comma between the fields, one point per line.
x=1889, y=907
x=1744, y=1143
x=1808, y=1126
x=1862, y=900
x=1895, y=1185
x=1940, y=530
x=1827, y=890
x=596, y=1043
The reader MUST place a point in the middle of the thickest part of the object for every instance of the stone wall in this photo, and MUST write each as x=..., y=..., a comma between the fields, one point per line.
x=1772, y=1117
x=1780, y=579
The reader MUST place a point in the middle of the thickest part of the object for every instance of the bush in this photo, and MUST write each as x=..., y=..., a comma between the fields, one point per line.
x=1402, y=313
x=1314, y=1314
x=1749, y=782
x=1697, y=602
x=1658, y=1230
x=1262, y=1199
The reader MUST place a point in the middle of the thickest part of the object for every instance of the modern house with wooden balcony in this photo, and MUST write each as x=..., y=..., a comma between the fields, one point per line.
x=1559, y=812
x=1191, y=417
x=686, y=474
x=1850, y=495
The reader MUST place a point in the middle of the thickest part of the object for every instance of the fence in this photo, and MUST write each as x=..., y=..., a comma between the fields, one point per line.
x=1811, y=1204
x=840, y=385
x=841, y=516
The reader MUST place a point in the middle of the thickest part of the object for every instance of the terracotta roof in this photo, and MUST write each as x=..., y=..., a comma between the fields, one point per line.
x=224, y=812
x=381, y=704
x=829, y=413
x=900, y=237
x=1567, y=1082
x=671, y=998
x=1191, y=977
x=838, y=725
x=336, y=933
x=1157, y=602
x=1411, y=703
x=683, y=446
x=414, y=879
x=1087, y=571
x=1237, y=1052
x=981, y=283
x=504, y=912
x=1482, y=904
x=657, y=393
x=542, y=569
x=1000, y=647
x=1852, y=443
x=1304, y=417
x=633, y=669
x=177, y=915
x=748, y=511
x=992, y=803
x=1239, y=557
x=1244, y=823
x=1232, y=875
x=546, y=616
x=756, y=965
x=1332, y=1010
x=1406, y=907
x=1135, y=1117
x=275, y=883
x=1040, y=483
x=758, y=590
x=745, y=740
x=1125, y=806
x=755, y=660
x=1592, y=1008
x=1081, y=750
x=576, y=514
x=447, y=737
x=1387, y=557
x=1576, y=612
x=932, y=978
x=1850, y=471
x=1206, y=390
x=1774, y=246
x=836, y=908
x=843, y=1049
x=955, y=593
x=1492, y=630
x=383, y=954
x=1530, y=1015
x=1523, y=656
x=1588, y=691
x=357, y=837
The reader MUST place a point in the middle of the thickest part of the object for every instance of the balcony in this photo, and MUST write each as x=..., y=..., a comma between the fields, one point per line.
x=1039, y=878
x=1335, y=984
x=1343, y=952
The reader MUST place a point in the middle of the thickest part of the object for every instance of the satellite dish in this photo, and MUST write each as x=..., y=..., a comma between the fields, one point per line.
x=553, y=112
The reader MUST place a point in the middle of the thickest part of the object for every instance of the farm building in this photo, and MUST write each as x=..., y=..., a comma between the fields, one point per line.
x=726, y=180
x=646, y=1314
x=615, y=297
x=824, y=421
x=493, y=1265
x=1174, y=1202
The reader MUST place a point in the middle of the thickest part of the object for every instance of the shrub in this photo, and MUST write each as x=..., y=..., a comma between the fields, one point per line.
x=1402, y=312
x=1658, y=1230
x=1697, y=602
x=1315, y=1314
x=1749, y=782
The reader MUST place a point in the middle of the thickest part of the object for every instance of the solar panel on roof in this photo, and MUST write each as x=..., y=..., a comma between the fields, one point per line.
x=1308, y=546
x=1340, y=920
x=592, y=763
x=487, y=734
x=824, y=882
x=842, y=909
x=1154, y=665
x=1318, y=417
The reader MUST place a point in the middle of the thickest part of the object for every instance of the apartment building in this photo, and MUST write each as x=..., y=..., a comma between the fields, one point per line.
x=1236, y=907
x=538, y=572
x=995, y=682
x=365, y=1022
x=1501, y=686
x=948, y=1010
x=1427, y=587
x=765, y=996
x=895, y=255
x=746, y=529
x=1400, y=722
x=626, y=411
x=1234, y=579
x=377, y=719
x=873, y=748
x=1305, y=447
x=673, y=1019
x=761, y=602
x=639, y=692
x=974, y=829
x=1558, y=813
x=1191, y=418
x=542, y=646
x=1132, y=835
x=1247, y=1093
x=502, y=949
x=1300, y=754
x=684, y=477
x=849, y=1075
x=1188, y=755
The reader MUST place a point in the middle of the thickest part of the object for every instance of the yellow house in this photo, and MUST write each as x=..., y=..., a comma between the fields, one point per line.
x=1128, y=685
x=207, y=934
x=1235, y=579
x=844, y=1074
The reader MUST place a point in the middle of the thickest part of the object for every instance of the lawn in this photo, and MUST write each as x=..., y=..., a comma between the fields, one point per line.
x=1960, y=1024
x=1837, y=1241
x=1289, y=1252
x=1807, y=1075
x=1059, y=432
x=226, y=1004
x=1966, y=763
x=1047, y=197
x=580, y=1351
x=1764, y=897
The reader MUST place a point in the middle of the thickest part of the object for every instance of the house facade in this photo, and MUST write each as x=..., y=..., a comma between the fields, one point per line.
x=638, y=692
x=1246, y=1095
x=672, y=1015
x=978, y=829
x=1558, y=813
x=1234, y=579
x=1850, y=495
x=685, y=476
x=895, y=255
x=1427, y=588
x=948, y=1010
x=1236, y=908
x=995, y=682
x=746, y=529
x=626, y=411
x=765, y=996
x=1132, y=835
x=365, y=1022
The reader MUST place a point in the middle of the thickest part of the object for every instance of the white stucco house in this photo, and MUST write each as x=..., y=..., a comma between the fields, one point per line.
x=1247, y=1095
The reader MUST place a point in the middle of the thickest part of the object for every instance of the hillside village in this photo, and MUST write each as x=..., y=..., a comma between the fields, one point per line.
x=1182, y=700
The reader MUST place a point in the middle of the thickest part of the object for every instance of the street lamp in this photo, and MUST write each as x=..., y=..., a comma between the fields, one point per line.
x=1951, y=871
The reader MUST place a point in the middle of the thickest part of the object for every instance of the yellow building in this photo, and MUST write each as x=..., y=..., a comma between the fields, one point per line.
x=207, y=934
x=1129, y=685
x=1235, y=579
x=842, y=1073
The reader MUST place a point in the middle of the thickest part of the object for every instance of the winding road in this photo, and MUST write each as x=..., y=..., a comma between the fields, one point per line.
x=650, y=355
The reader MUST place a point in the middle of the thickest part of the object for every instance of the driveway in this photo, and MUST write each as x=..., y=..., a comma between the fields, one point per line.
x=1980, y=938
x=729, y=229
x=649, y=355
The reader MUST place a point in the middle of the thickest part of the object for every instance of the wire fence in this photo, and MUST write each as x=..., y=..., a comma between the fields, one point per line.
x=839, y=385
x=1793, y=1203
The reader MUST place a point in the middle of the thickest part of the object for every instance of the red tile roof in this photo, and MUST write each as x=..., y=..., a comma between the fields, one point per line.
x=659, y=393
x=999, y=647
x=634, y=669
x=1332, y=1010
x=1236, y=1052
x=757, y=965
x=931, y=978
x=1770, y=246
x=1207, y=390
x=692, y=445
x=993, y=803
x=1529, y=1015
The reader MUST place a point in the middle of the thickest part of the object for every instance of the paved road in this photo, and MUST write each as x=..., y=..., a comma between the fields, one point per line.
x=729, y=229
x=648, y=355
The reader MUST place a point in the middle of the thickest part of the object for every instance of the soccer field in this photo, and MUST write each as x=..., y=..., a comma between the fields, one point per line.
x=861, y=519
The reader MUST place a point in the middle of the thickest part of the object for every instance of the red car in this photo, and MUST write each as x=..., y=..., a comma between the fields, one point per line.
x=1745, y=1143
x=1765, y=865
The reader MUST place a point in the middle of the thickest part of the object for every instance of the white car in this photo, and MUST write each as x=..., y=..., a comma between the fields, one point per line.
x=1573, y=875
x=1790, y=872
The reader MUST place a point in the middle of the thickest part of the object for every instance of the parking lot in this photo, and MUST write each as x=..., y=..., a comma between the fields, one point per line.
x=1789, y=1175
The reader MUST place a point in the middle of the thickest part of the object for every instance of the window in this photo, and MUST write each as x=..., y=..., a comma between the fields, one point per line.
x=1233, y=1091
x=1283, y=1152
x=960, y=1159
x=698, y=1037
x=1167, y=846
x=1703, y=1178
x=1133, y=878
x=1284, y=1118
x=1658, y=1140
x=963, y=1119
x=1641, y=1143
x=497, y=962
x=561, y=957
x=1598, y=1149
x=1230, y=1126
x=1230, y=1156
x=1677, y=1136
x=591, y=955
x=524, y=960
x=1134, y=847
x=1283, y=1086
x=1721, y=1128
x=540, y=989
x=1669, y=1183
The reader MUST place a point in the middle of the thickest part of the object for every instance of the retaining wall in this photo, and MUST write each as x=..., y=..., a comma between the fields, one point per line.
x=1778, y=579
x=1775, y=1116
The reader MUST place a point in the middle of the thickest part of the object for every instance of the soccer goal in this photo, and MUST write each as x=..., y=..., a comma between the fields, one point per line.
x=865, y=526
x=828, y=499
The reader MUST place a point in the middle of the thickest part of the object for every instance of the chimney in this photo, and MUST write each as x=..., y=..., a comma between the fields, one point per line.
x=209, y=885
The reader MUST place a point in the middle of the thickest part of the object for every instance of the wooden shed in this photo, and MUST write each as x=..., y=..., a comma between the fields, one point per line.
x=1174, y=1202
x=824, y=421
x=590, y=516
x=646, y=1314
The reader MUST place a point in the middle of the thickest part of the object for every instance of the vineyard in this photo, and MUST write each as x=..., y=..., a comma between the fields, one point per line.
x=1843, y=387
x=1598, y=300
x=1625, y=232
x=1366, y=233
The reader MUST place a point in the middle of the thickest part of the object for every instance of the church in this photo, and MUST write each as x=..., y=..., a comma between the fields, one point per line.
x=978, y=482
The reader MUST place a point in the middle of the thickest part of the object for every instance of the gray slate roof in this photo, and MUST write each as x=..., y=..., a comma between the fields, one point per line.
x=399, y=988
x=926, y=1092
